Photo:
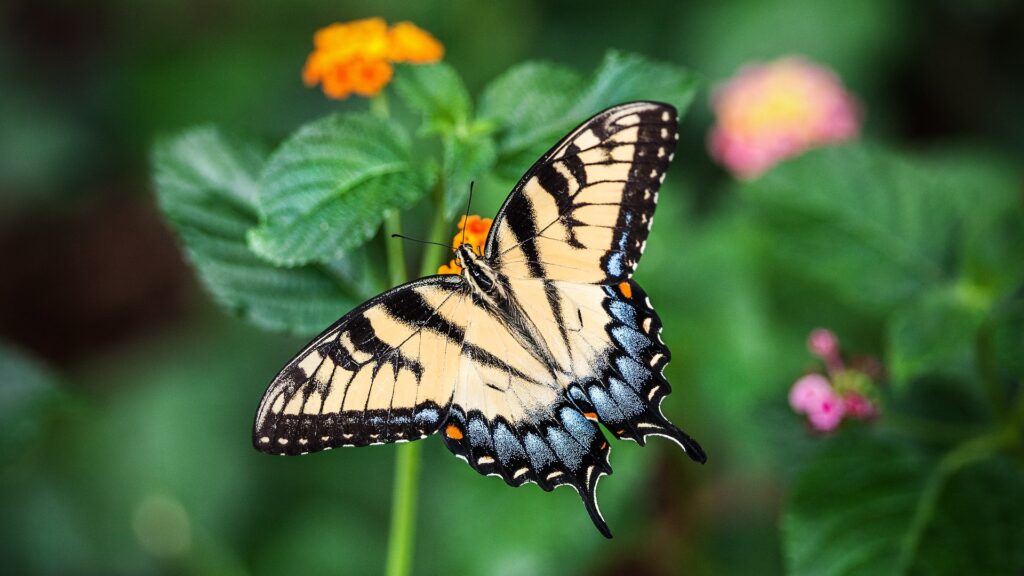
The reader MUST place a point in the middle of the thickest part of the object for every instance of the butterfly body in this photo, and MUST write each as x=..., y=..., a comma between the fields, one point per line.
x=517, y=359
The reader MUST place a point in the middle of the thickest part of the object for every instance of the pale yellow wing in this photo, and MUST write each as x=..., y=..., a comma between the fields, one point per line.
x=583, y=211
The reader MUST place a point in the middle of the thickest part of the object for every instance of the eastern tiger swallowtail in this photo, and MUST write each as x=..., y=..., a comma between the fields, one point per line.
x=516, y=359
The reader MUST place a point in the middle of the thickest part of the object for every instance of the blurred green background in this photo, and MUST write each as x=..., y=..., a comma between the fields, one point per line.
x=127, y=397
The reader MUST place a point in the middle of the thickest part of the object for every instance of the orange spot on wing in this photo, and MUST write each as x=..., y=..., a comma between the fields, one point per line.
x=590, y=415
x=452, y=431
x=604, y=445
x=626, y=289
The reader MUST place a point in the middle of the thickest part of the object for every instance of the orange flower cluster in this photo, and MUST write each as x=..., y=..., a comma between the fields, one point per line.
x=473, y=230
x=357, y=57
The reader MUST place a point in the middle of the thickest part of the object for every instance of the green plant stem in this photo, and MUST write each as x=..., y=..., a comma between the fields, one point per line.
x=432, y=253
x=401, y=540
x=402, y=535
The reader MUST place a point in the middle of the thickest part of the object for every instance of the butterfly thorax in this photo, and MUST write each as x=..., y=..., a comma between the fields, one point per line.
x=483, y=280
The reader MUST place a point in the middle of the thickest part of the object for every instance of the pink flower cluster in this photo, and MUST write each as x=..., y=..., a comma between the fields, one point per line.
x=768, y=112
x=825, y=402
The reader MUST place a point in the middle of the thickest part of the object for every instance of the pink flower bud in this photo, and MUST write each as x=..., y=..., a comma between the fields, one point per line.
x=808, y=392
x=859, y=407
x=823, y=344
x=828, y=413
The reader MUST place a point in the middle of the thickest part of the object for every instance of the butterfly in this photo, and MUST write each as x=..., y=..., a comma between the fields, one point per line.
x=517, y=359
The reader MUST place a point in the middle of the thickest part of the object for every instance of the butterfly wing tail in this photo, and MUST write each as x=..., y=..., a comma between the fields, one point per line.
x=588, y=492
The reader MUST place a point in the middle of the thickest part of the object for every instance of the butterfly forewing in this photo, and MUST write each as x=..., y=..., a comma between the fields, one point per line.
x=383, y=373
x=582, y=213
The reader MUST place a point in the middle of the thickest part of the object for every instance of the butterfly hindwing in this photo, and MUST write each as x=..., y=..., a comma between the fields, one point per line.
x=582, y=213
x=627, y=393
x=384, y=372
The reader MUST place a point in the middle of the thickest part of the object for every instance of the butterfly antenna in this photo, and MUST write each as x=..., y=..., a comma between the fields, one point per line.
x=418, y=240
x=465, y=218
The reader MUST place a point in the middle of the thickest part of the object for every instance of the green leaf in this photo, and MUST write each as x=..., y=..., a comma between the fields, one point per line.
x=28, y=394
x=327, y=189
x=465, y=160
x=623, y=77
x=872, y=228
x=868, y=506
x=206, y=186
x=524, y=102
x=935, y=335
x=535, y=104
x=986, y=190
x=873, y=506
x=436, y=92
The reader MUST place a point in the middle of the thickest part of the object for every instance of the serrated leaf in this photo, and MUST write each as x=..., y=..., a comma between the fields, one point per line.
x=327, y=189
x=558, y=100
x=526, y=99
x=206, y=186
x=435, y=91
x=873, y=228
x=867, y=506
x=623, y=77
x=935, y=335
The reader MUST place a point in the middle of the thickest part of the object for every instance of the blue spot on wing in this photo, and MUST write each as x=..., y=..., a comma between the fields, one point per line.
x=479, y=435
x=427, y=417
x=635, y=373
x=607, y=410
x=569, y=450
x=625, y=398
x=538, y=451
x=630, y=340
x=507, y=445
x=615, y=264
x=622, y=312
x=576, y=424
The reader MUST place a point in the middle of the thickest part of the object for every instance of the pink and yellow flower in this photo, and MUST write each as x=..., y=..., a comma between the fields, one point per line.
x=772, y=111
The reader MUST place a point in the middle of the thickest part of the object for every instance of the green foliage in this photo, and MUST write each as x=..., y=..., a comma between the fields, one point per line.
x=864, y=224
x=207, y=187
x=872, y=506
x=327, y=189
x=282, y=240
x=436, y=91
x=925, y=244
x=924, y=250
x=935, y=335
x=28, y=394
x=535, y=104
x=438, y=94
x=918, y=255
